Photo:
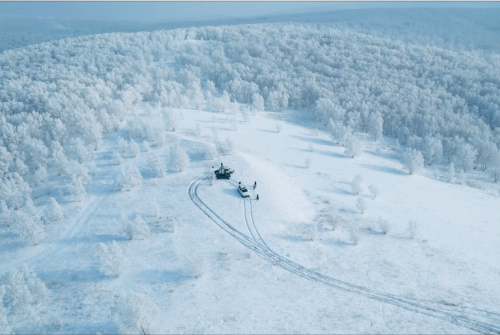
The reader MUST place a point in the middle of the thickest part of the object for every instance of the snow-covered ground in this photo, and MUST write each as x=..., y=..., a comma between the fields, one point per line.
x=204, y=281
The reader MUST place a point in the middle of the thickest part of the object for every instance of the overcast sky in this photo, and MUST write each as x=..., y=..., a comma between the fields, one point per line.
x=154, y=11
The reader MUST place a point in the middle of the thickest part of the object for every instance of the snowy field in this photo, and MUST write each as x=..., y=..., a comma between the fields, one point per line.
x=343, y=239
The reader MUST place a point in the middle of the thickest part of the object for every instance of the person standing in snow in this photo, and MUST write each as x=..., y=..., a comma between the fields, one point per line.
x=254, y=185
x=257, y=197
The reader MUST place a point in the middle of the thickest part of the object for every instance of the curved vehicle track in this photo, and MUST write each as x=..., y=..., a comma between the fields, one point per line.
x=258, y=246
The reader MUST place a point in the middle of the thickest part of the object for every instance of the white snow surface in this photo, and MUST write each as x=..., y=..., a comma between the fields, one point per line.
x=205, y=281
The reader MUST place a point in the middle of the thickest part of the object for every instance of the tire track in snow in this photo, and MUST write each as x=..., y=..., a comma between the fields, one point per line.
x=284, y=263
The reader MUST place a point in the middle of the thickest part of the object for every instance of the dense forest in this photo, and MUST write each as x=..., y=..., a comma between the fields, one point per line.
x=57, y=98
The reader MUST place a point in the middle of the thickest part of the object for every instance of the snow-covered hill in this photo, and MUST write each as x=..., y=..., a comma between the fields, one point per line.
x=116, y=137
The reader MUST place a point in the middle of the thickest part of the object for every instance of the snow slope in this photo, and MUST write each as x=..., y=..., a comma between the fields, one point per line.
x=203, y=280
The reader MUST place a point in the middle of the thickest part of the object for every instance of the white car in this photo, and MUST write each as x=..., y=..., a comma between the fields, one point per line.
x=243, y=190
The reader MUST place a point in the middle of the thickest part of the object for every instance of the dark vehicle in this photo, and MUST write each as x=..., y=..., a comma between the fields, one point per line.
x=223, y=172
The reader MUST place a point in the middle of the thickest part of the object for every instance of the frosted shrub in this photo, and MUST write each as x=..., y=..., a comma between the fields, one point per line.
x=208, y=152
x=198, y=129
x=361, y=205
x=30, y=228
x=170, y=119
x=411, y=229
x=413, y=160
x=234, y=124
x=245, y=115
x=110, y=259
x=122, y=146
x=339, y=132
x=134, y=147
x=373, y=191
x=279, y=127
x=257, y=102
x=92, y=168
x=356, y=184
x=40, y=175
x=465, y=157
x=155, y=209
x=4, y=326
x=461, y=178
x=54, y=212
x=383, y=225
x=29, y=207
x=307, y=162
x=128, y=179
x=157, y=166
x=14, y=190
x=451, y=173
x=224, y=148
x=145, y=145
x=117, y=157
x=215, y=132
x=135, y=228
x=352, y=146
x=197, y=266
x=179, y=157
x=209, y=175
x=376, y=125
x=311, y=147
x=5, y=213
x=354, y=236
x=24, y=290
x=137, y=315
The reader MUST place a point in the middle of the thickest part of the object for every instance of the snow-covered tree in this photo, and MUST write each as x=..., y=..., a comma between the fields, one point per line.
x=92, y=168
x=257, y=102
x=224, y=147
x=29, y=207
x=413, y=160
x=432, y=150
x=53, y=212
x=29, y=227
x=356, y=184
x=307, y=162
x=279, y=127
x=215, y=132
x=311, y=147
x=24, y=290
x=451, y=173
x=373, y=190
x=198, y=129
x=352, y=146
x=383, y=225
x=136, y=228
x=4, y=326
x=134, y=147
x=361, y=205
x=137, y=314
x=40, y=175
x=122, y=146
x=234, y=124
x=179, y=158
x=339, y=132
x=376, y=125
x=14, y=190
x=145, y=145
x=208, y=152
x=157, y=166
x=110, y=259
x=117, y=157
x=354, y=235
x=4, y=213
x=155, y=209
x=411, y=228
x=128, y=179
x=170, y=119
x=465, y=157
